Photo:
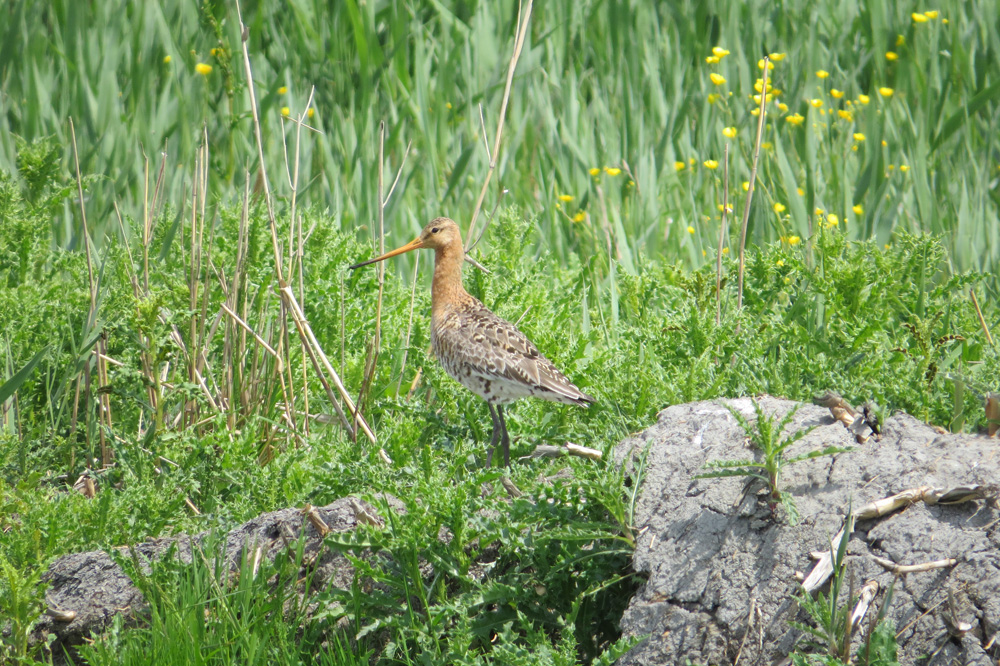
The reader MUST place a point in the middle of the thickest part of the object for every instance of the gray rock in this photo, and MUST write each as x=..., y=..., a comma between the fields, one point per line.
x=721, y=566
x=94, y=587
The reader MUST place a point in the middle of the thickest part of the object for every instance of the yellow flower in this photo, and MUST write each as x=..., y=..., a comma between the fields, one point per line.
x=448, y=106
x=891, y=56
x=717, y=79
x=595, y=171
x=213, y=52
x=846, y=115
x=719, y=52
x=167, y=59
x=836, y=94
x=690, y=230
x=858, y=209
x=884, y=143
x=816, y=103
x=777, y=57
x=944, y=21
x=755, y=111
x=779, y=263
x=933, y=14
x=746, y=185
x=725, y=250
x=782, y=107
x=729, y=132
x=904, y=168
x=919, y=18
x=712, y=60
x=779, y=208
x=885, y=92
x=822, y=73
x=891, y=167
x=203, y=69
x=565, y=197
x=859, y=137
x=679, y=166
x=692, y=161
x=800, y=191
x=832, y=220
x=864, y=99
x=282, y=90
x=794, y=240
x=900, y=40
x=711, y=164
x=767, y=145
x=311, y=112
x=760, y=64
x=854, y=147
x=819, y=212
x=712, y=98
x=795, y=119
x=285, y=111
x=612, y=171
x=580, y=217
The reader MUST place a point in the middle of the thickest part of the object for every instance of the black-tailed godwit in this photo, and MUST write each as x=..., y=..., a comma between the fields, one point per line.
x=485, y=353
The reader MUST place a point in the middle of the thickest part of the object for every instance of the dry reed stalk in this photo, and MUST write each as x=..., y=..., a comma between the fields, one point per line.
x=409, y=323
x=522, y=29
x=317, y=356
x=979, y=313
x=371, y=362
x=103, y=399
x=722, y=236
x=753, y=178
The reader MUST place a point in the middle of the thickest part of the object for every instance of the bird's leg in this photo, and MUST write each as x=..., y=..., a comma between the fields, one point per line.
x=506, y=437
x=497, y=428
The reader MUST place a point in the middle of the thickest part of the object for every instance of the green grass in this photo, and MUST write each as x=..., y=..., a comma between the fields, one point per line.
x=875, y=306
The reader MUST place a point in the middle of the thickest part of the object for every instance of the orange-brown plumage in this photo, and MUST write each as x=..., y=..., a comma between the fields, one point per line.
x=486, y=354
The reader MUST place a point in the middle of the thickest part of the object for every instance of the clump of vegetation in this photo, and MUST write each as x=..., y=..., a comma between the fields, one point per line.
x=765, y=434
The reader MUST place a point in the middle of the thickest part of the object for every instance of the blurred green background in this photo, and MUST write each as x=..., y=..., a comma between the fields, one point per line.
x=623, y=85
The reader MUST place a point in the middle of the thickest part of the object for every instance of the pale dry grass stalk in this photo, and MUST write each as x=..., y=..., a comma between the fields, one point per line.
x=722, y=236
x=409, y=323
x=371, y=361
x=753, y=177
x=103, y=399
x=523, y=18
x=317, y=357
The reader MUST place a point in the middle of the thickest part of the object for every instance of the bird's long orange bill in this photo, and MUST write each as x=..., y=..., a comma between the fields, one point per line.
x=415, y=244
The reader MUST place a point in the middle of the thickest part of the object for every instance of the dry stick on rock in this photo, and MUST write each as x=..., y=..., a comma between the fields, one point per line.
x=901, y=569
x=103, y=399
x=523, y=18
x=753, y=178
x=722, y=236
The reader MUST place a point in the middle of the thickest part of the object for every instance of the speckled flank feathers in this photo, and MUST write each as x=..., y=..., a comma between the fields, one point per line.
x=485, y=353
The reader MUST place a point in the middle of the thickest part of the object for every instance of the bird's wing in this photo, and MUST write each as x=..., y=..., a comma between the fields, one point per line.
x=496, y=348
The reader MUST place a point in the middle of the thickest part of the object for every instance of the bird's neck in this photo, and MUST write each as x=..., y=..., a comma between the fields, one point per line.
x=447, y=286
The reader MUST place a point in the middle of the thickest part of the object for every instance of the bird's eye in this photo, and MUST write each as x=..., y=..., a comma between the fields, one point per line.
x=435, y=230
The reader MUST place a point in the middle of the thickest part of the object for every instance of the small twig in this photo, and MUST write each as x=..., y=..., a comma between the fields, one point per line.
x=901, y=569
x=722, y=237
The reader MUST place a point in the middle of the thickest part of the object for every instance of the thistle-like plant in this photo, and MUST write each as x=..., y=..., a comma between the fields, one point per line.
x=765, y=433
